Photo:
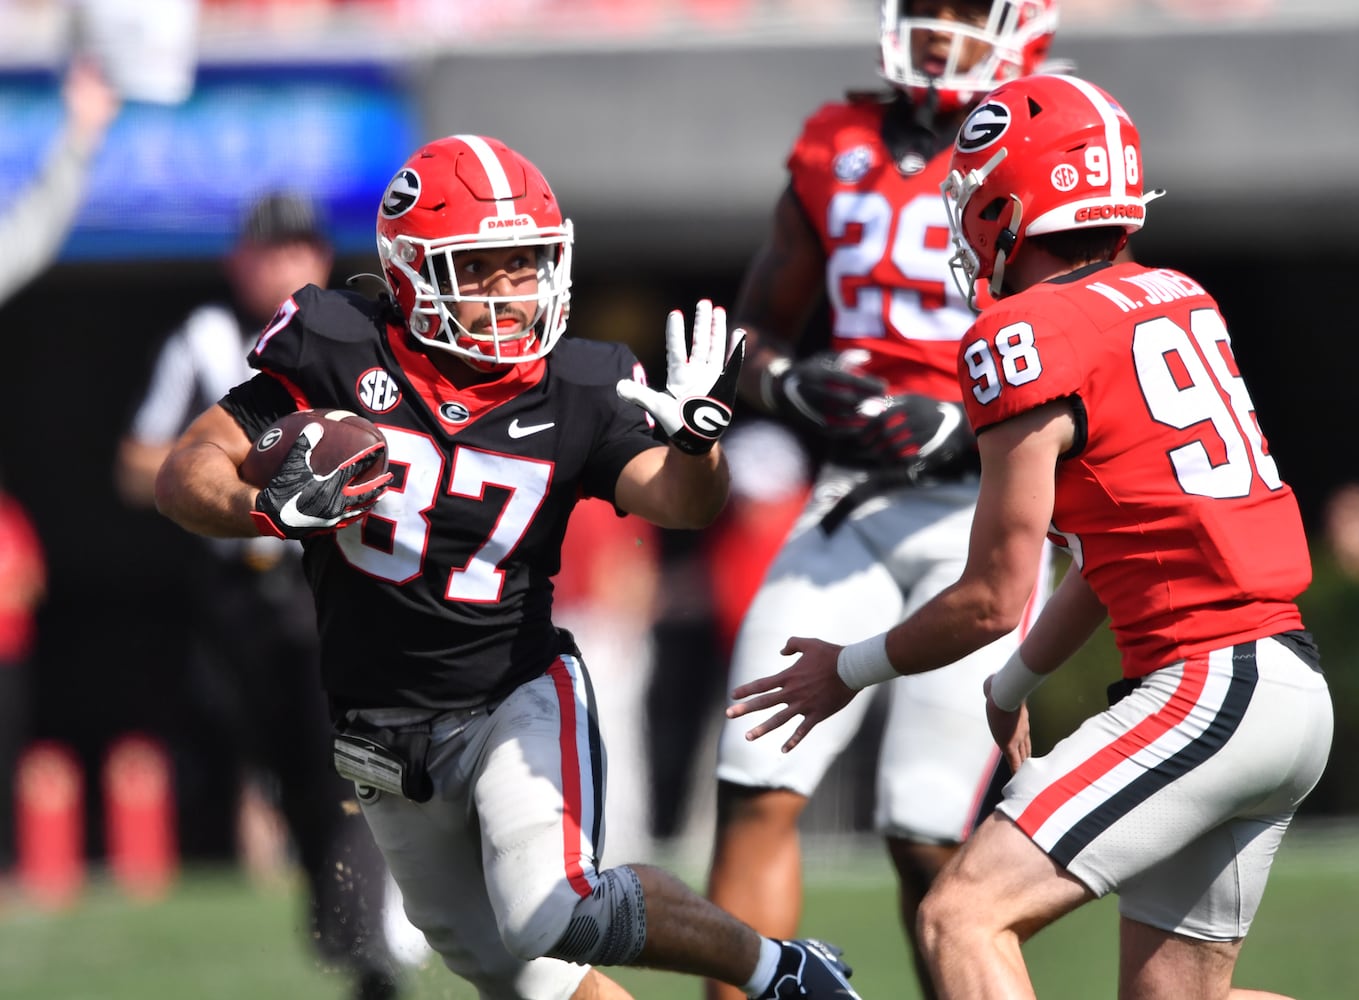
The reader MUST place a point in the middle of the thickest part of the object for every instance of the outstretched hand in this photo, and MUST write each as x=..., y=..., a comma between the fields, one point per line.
x=700, y=382
x=92, y=102
x=1010, y=730
x=811, y=688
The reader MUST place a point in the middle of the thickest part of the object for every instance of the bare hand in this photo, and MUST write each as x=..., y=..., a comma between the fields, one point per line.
x=92, y=103
x=810, y=688
x=1010, y=730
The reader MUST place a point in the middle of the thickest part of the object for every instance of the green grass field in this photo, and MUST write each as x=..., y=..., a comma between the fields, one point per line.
x=220, y=938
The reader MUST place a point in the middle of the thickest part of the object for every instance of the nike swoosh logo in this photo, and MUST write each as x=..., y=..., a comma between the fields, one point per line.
x=951, y=419
x=519, y=431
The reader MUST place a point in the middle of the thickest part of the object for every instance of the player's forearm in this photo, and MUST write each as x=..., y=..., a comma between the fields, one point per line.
x=695, y=487
x=778, y=294
x=199, y=489
x=40, y=219
x=954, y=623
x=135, y=471
x=958, y=621
x=761, y=351
x=1069, y=618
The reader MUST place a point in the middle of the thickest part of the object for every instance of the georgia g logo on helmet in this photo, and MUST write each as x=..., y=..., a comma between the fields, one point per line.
x=984, y=127
x=401, y=194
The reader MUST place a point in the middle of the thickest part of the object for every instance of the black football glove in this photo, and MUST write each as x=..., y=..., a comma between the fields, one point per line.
x=297, y=502
x=700, y=384
x=817, y=394
x=927, y=437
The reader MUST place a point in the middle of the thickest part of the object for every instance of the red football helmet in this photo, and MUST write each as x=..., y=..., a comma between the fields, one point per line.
x=1038, y=155
x=472, y=192
x=1017, y=32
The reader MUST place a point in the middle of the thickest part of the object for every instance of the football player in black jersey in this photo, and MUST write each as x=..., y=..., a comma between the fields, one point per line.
x=464, y=716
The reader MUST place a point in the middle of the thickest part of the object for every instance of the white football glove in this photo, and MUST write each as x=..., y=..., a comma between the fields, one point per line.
x=700, y=383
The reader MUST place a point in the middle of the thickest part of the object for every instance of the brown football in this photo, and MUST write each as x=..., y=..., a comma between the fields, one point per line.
x=345, y=437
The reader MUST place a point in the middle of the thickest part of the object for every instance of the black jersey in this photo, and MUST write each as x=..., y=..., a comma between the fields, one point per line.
x=442, y=596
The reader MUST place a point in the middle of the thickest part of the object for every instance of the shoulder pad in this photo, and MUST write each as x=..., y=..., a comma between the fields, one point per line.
x=316, y=331
x=333, y=314
x=591, y=362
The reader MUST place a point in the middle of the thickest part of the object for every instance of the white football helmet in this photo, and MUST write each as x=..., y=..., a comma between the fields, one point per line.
x=1017, y=32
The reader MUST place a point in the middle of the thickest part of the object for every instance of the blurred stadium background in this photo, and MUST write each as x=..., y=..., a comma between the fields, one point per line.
x=662, y=125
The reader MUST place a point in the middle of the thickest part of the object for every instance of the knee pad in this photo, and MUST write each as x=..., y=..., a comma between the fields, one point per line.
x=607, y=927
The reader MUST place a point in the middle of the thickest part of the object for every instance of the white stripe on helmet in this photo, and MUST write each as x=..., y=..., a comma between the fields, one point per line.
x=495, y=173
x=1113, y=134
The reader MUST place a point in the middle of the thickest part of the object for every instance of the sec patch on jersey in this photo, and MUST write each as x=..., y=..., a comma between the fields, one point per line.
x=346, y=438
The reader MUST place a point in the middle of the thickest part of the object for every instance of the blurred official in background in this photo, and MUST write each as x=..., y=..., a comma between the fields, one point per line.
x=35, y=224
x=253, y=678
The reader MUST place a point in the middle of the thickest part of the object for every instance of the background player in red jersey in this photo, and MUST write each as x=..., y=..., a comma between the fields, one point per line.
x=1111, y=416
x=862, y=224
x=464, y=716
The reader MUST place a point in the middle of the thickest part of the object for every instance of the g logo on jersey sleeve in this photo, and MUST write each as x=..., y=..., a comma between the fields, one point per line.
x=984, y=127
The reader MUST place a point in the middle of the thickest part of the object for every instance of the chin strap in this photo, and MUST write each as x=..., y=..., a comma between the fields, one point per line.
x=929, y=110
x=1006, y=241
x=370, y=286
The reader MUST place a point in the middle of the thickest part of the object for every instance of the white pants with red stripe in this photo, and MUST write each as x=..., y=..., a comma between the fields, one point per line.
x=1178, y=796
x=493, y=865
x=892, y=555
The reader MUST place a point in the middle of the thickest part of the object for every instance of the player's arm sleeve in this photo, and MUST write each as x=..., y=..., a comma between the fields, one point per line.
x=284, y=349
x=42, y=216
x=1010, y=362
x=258, y=403
x=623, y=429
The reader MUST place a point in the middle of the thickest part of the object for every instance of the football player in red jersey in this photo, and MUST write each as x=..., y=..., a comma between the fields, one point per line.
x=1111, y=417
x=862, y=223
x=464, y=716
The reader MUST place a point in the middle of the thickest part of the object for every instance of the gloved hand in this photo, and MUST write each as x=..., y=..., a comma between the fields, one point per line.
x=818, y=393
x=926, y=436
x=700, y=384
x=297, y=502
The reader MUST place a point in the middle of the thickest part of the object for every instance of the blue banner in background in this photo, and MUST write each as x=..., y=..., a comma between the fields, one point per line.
x=173, y=181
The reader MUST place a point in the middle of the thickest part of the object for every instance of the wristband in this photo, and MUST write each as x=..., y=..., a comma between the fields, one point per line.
x=861, y=664
x=1012, y=684
x=768, y=376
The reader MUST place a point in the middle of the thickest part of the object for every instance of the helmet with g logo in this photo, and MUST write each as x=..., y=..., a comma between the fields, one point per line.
x=470, y=192
x=1039, y=155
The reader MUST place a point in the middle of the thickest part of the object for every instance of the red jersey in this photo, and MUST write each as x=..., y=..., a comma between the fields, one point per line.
x=886, y=239
x=1170, y=503
x=23, y=580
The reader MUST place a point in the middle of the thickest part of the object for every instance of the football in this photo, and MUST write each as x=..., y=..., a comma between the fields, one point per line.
x=345, y=437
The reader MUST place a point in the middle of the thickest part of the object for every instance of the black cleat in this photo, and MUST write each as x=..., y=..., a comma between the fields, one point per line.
x=376, y=984
x=812, y=969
